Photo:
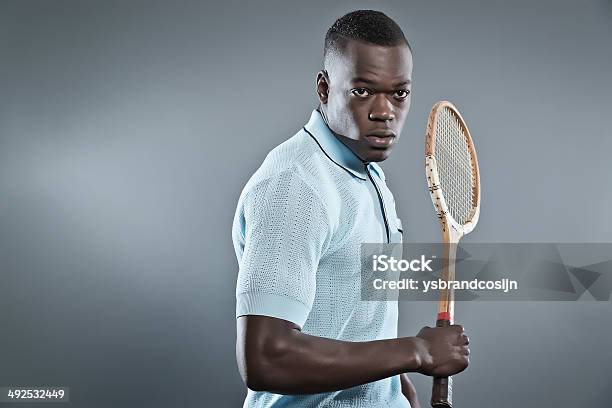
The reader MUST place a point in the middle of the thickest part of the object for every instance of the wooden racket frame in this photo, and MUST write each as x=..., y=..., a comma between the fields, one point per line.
x=452, y=232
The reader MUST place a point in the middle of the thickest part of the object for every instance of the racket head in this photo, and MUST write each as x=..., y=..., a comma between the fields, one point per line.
x=451, y=167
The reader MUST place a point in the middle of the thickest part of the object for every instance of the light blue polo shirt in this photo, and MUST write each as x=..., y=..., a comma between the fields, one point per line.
x=297, y=233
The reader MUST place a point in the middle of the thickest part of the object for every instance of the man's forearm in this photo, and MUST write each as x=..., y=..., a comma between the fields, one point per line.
x=304, y=364
x=274, y=355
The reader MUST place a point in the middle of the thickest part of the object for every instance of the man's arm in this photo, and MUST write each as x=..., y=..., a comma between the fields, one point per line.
x=409, y=391
x=274, y=355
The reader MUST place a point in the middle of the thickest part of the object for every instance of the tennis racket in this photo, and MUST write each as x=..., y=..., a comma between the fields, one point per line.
x=454, y=184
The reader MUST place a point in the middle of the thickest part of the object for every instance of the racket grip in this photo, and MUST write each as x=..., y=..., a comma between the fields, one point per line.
x=442, y=391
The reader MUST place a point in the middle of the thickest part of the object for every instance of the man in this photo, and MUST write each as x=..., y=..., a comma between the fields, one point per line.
x=304, y=336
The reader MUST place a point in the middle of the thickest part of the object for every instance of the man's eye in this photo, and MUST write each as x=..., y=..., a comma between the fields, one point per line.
x=361, y=92
x=401, y=94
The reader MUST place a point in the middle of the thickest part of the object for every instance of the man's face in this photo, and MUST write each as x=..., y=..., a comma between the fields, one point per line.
x=365, y=97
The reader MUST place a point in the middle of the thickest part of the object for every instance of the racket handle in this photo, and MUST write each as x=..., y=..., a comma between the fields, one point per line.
x=442, y=391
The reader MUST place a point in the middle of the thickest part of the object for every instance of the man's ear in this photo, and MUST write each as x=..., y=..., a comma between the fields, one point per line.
x=322, y=86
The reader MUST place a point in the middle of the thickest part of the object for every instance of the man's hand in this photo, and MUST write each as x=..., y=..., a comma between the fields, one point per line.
x=409, y=391
x=443, y=351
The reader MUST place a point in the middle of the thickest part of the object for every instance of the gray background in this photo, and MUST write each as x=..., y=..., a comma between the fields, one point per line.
x=128, y=129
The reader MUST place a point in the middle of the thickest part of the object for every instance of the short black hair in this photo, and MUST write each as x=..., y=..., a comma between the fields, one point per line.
x=369, y=26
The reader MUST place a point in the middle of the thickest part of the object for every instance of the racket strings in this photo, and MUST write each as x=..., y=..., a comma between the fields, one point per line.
x=454, y=166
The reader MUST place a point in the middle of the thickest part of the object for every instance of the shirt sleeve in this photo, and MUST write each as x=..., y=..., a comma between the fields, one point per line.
x=286, y=231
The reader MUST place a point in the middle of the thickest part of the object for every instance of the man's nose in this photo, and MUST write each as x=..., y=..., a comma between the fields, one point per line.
x=382, y=109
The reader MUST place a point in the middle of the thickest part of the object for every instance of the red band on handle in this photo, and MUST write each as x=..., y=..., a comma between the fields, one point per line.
x=444, y=316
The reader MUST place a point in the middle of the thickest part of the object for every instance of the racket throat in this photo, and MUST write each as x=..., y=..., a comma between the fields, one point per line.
x=381, y=201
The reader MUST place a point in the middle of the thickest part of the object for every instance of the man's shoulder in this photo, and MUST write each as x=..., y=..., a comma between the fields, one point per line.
x=297, y=158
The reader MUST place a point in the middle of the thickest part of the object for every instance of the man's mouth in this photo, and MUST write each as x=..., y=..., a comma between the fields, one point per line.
x=381, y=139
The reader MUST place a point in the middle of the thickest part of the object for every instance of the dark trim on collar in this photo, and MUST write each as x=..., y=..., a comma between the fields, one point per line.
x=333, y=161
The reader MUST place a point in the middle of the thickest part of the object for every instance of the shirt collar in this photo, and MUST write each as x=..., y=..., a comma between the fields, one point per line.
x=335, y=150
